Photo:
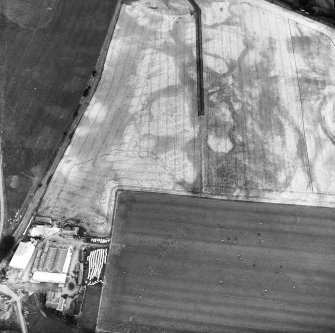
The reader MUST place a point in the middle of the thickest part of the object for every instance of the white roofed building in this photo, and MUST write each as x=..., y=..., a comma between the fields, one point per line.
x=49, y=277
x=43, y=231
x=22, y=255
x=67, y=262
x=52, y=262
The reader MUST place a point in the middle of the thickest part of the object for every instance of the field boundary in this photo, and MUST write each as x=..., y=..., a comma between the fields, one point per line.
x=302, y=111
x=199, y=61
x=270, y=197
x=2, y=194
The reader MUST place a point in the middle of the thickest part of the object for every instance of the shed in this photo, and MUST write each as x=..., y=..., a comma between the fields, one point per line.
x=49, y=277
x=22, y=255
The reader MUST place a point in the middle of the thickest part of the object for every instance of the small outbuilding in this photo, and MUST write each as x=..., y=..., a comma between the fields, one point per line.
x=70, y=231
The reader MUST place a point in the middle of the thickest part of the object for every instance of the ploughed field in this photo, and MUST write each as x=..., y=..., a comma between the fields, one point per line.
x=183, y=264
x=268, y=131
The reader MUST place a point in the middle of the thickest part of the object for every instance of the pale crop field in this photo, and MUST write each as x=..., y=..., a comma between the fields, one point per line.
x=269, y=98
x=141, y=127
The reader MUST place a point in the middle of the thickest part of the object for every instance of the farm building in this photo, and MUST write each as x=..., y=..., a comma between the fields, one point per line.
x=22, y=255
x=53, y=259
x=43, y=220
x=70, y=231
x=43, y=231
x=55, y=301
x=49, y=277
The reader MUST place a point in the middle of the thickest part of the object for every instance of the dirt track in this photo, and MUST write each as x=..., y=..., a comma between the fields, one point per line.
x=215, y=266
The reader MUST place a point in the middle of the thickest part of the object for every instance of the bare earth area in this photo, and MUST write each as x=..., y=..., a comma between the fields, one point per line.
x=268, y=129
x=199, y=265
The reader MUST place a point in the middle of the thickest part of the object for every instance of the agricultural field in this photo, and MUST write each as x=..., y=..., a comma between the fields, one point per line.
x=48, y=52
x=269, y=101
x=185, y=264
x=267, y=133
x=89, y=316
x=141, y=127
x=264, y=132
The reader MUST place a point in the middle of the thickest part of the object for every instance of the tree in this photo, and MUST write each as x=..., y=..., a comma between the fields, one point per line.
x=6, y=244
x=71, y=285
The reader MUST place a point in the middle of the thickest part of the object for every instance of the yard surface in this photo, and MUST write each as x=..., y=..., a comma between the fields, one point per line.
x=268, y=131
x=201, y=265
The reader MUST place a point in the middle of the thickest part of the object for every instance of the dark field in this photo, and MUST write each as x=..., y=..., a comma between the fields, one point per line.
x=48, y=52
x=200, y=265
x=90, y=309
x=316, y=7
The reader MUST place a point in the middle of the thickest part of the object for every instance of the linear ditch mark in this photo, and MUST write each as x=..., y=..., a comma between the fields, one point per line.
x=199, y=53
x=302, y=112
